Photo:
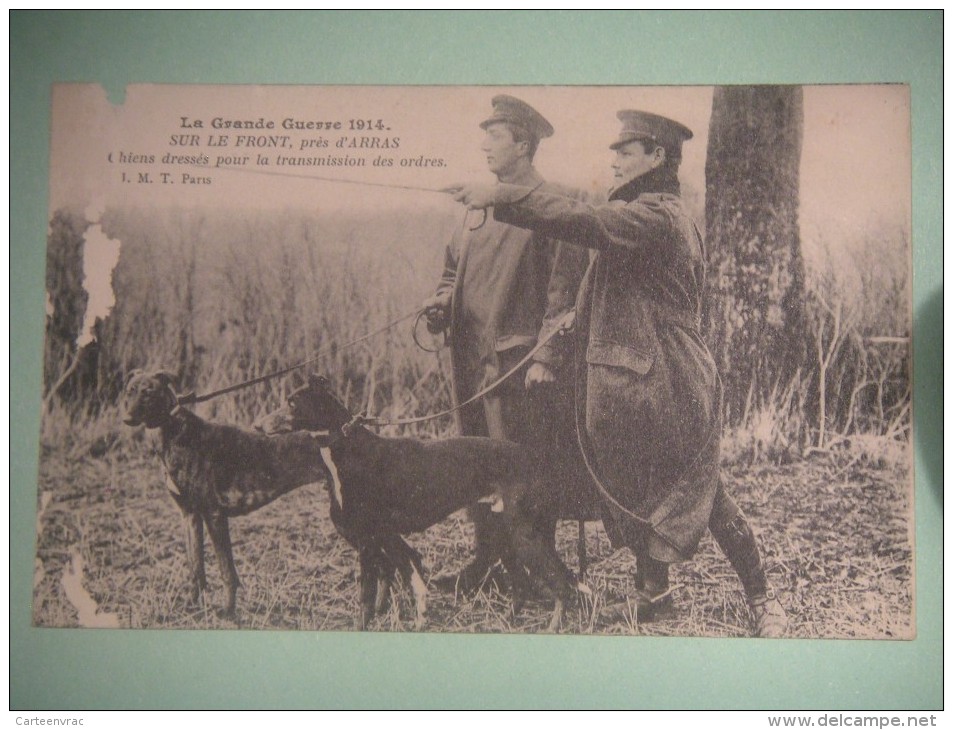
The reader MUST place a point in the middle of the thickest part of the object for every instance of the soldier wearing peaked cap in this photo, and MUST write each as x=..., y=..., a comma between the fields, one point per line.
x=652, y=128
x=510, y=110
x=648, y=396
x=498, y=295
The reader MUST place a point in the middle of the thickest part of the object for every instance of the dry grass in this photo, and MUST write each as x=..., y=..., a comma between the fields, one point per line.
x=223, y=297
x=836, y=542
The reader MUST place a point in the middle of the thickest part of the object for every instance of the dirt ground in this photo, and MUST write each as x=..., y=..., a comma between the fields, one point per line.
x=836, y=538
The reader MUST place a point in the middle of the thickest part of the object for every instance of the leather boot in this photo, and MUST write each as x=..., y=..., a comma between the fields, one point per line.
x=650, y=601
x=734, y=536
x=768, y=617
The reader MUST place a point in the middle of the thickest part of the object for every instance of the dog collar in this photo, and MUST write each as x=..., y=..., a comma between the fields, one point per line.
x=328, y=436
x=355, y=422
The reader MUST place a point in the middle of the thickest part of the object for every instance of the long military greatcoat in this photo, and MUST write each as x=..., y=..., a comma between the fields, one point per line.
x=648, y=397
x=508, y=287
x=503, y=297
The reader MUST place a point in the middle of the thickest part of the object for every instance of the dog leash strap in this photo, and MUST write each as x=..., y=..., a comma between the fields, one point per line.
x=190, y=398
x=660, y=512
x=322, y=178
x=561, y=327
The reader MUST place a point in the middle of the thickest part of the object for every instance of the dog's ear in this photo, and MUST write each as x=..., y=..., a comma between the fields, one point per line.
x=166, y=378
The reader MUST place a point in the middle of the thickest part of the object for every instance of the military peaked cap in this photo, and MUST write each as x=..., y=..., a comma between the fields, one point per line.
x=510, y=109
x=638, y=125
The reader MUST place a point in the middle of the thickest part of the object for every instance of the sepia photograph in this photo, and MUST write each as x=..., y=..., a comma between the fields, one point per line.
x=590, y=360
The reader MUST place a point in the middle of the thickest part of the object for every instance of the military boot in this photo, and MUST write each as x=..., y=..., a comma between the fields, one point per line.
x=768, y=617
x=650, y=601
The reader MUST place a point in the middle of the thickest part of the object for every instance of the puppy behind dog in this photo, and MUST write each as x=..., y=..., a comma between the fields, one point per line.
x=214, y=471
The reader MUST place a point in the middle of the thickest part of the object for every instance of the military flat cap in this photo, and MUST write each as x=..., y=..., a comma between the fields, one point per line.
x=638, y=125
x=510, y=109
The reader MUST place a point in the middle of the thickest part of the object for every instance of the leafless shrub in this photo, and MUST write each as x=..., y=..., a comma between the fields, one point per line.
x=269, y=290
x=858, y=309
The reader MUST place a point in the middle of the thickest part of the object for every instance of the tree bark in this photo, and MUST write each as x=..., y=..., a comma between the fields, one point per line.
x=754, y=308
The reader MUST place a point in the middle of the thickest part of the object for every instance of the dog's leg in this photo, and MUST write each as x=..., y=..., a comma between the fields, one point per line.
x=385, y=581
x=222, y=542
x=517, y=573
x=410, y=565
x=543, y=563
x=420, y=599
x=489, y=541
x=195, y=552
x=581, y=550
x=412, y=568
x=556, y=621
x=370, y=560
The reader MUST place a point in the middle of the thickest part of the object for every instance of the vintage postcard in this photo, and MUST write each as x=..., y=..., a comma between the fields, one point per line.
x=581, y=360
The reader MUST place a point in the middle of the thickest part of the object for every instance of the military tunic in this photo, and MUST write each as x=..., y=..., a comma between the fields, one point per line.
x=509, y=287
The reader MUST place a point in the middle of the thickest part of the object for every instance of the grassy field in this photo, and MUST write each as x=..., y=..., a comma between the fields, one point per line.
x=220, y=297
x=835, y=536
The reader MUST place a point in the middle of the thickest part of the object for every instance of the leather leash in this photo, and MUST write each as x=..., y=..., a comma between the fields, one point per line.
x=345, y=181
x=563, y=326
x=660, y=512
x=190, y=398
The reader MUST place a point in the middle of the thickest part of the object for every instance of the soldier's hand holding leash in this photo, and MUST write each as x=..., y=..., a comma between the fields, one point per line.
x=539, y=373
x=437, y=311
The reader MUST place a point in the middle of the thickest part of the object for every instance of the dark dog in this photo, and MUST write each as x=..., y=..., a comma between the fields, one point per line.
x=382, y=488
x=215, y=472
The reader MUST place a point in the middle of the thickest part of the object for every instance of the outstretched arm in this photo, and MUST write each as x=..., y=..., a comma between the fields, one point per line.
x=635, y=226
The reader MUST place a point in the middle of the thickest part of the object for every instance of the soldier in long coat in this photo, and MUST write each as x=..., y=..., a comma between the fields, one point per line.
x=648, y=396
x=499, y=295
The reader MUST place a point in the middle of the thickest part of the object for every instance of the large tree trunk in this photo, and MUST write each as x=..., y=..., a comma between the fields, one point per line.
x=754, y=309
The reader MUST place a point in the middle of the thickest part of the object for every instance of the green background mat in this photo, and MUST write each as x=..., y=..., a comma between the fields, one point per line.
x=90, y=669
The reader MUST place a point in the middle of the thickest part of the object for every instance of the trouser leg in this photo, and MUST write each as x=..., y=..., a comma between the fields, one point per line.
x=651, y=575
x=734, y=536
x=651, y=599
x=515, y=414
x=503, y=417
x=488, y=539
x=507, y=417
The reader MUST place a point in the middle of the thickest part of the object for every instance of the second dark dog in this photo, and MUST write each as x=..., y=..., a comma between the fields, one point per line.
x=214, y=471
x=382, y=488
